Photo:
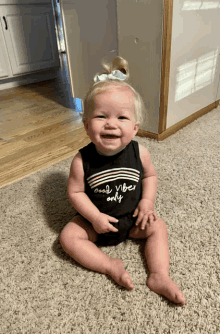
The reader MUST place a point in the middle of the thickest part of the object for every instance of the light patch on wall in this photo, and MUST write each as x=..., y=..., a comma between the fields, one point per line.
x=195, y=75
x=194, y=5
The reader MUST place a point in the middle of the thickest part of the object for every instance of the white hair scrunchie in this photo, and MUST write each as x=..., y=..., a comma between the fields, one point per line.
x=113, y=75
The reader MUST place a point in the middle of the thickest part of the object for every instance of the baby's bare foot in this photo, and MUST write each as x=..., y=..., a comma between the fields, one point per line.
x=163, y=285
x=120, y=275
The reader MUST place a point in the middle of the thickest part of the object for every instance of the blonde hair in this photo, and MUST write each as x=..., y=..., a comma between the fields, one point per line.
x=100, y=87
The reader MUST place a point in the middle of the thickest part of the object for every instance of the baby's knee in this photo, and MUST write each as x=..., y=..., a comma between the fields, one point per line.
x=160, y=226
x=66, y=235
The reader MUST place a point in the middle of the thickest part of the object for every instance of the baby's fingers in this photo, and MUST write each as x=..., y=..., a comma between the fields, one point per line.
x=152, y=217
x=135, y=212
x=112, y=228
x=144, y=223
x=139, y=219
x=112, y=219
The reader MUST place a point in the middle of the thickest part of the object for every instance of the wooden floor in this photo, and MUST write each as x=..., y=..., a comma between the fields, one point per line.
x=37, y=130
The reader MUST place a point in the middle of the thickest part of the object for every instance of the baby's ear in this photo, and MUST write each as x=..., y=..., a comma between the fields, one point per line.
x=136, y=127
x=85, y=122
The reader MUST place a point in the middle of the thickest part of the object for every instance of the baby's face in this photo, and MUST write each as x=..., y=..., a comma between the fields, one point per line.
x=112, y=124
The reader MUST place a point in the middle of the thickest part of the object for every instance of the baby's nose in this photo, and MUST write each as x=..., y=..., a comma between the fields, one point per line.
x=111, y=123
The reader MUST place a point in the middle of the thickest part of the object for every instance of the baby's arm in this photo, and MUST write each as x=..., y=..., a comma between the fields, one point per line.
x=149, y=181
x=145, y=209
x=82, y=203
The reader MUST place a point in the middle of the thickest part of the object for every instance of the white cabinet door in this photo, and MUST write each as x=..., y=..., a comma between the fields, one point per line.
x=4, y=65
x=30, y=37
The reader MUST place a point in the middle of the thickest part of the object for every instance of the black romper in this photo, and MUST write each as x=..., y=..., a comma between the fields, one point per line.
x=113, y=184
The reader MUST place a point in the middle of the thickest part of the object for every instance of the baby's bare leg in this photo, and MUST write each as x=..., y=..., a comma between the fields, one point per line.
x=77, y=240
x=158, y=258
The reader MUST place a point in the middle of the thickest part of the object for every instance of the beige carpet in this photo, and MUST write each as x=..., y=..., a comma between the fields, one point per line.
x=44, y=291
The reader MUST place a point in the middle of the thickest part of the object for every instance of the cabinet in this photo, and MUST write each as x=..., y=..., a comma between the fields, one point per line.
x=27, y=39
x=5, y=69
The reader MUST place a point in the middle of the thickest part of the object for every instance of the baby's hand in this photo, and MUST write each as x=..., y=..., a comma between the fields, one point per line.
x=102, y=223
x=145, y=213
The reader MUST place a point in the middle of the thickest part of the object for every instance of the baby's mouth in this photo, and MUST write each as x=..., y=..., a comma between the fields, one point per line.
x=110, y=136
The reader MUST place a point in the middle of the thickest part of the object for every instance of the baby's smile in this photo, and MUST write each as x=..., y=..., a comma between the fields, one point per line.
x=108, y=136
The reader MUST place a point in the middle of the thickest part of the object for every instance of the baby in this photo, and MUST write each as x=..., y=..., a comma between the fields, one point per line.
x=112, y=184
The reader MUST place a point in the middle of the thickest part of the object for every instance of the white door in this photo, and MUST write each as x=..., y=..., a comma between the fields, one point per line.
x=90, y=33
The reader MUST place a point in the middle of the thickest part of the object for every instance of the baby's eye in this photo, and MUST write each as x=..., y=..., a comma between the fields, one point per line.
x=100, y=116
x=122, y=117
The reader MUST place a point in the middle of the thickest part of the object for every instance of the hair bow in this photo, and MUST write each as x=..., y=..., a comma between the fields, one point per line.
x=113, y=75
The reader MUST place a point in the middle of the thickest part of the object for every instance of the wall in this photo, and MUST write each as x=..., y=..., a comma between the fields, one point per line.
x=90, y=29
x=194, y=68
x=92, y=33
x=140, y=34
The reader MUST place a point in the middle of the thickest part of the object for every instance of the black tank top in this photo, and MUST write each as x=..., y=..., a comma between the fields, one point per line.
x=113, y=183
